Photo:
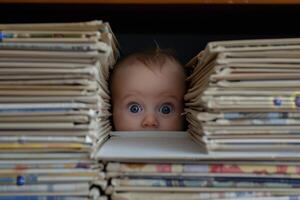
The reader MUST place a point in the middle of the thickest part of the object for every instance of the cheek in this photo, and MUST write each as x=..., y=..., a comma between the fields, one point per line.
x=172, y=124
x=124, y=122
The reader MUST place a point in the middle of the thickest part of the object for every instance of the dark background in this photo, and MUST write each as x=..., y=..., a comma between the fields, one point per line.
x=185, y=28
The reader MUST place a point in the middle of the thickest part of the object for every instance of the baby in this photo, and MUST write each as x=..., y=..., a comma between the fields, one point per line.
x=147, y=92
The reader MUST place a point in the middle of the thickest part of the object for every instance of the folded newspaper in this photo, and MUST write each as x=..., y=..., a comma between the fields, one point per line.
x=54, y=109
x=248, y=100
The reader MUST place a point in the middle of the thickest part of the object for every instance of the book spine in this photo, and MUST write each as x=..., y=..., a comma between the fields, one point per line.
x=261, y=115
x=205, y=168
x=48, y=47
x=193, y=195
x=84, y=187
x=255, y=169
x=209, y=182
x=24, y=197
x=79, y=165
x=128, y=167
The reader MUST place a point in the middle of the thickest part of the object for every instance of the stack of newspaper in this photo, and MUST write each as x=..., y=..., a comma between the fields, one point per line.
x=242, y=107
x=53, y=109
x=244, y=96
x=204, y=180
x=244, y=99
x=169, y=165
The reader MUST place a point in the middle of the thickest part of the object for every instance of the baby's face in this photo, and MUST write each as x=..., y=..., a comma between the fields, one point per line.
x=147, y=99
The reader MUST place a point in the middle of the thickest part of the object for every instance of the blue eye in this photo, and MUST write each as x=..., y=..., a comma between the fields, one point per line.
x=166, y=109
x=134, y=108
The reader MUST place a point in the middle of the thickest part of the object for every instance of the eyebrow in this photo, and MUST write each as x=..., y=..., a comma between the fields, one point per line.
x=169, y=96
x=134, y=94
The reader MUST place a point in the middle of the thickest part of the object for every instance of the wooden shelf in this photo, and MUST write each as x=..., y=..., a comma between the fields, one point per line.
x=155, y=1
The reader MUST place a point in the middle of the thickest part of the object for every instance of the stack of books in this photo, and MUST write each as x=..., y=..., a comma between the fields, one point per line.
x=244, y=98
x=243, y=136
x=53, y=109
x=204, y=180
x=170, y=165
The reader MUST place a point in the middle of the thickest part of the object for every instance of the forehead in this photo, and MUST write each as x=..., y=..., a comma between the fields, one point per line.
x=138, y=66
x=153, y=81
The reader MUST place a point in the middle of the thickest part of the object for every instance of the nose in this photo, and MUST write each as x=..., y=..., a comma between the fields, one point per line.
x=150, y=121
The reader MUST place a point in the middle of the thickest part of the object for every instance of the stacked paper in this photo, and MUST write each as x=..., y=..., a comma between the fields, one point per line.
x=53, y=109
x=195, y=181
x=244, y=96
x=244, y=99
x=169, y=165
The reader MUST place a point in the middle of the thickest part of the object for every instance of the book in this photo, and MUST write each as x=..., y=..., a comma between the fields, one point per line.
x=54, y=109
